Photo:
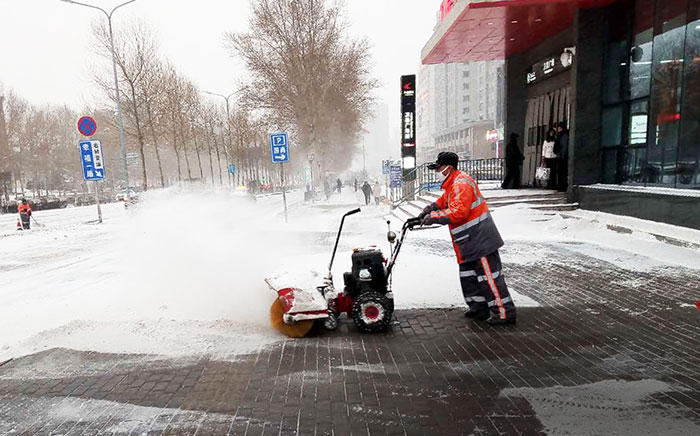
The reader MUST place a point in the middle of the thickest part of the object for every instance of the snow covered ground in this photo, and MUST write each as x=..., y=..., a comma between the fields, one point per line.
x=182, y=273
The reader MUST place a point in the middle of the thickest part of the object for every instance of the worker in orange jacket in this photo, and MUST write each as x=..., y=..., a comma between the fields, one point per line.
x=475, y=239
x=25, y=213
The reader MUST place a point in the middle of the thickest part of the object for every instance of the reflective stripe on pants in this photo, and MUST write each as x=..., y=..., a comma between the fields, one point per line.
x=484, y=286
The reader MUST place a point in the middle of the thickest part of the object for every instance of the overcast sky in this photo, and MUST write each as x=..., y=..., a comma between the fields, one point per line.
x=45, y=53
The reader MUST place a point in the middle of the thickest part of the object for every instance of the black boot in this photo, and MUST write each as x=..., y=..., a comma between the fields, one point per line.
x=498, y=321
x=477, y=314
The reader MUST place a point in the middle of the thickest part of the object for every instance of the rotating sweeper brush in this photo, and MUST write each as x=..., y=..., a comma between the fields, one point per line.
x=366, y=297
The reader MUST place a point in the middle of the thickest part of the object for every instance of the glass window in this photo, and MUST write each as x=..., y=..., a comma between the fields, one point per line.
x=633, y=165
x=689, y=146
x=667, y=79
x=612, y=126
x=642, y=48
x=610, y=166
x=615, y=68
x=616, y=60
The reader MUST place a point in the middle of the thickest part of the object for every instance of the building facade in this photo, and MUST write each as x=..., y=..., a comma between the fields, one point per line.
x=457, y=105
x=624, y=75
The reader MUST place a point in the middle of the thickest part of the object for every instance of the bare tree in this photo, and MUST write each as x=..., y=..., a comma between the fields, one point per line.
x=135, y=49
x=308, y=75
x=155, y=102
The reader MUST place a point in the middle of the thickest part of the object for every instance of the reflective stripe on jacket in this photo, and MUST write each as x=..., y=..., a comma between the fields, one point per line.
x=463, y=208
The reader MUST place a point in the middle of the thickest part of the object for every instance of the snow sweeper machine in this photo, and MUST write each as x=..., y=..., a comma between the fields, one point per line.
x=366, y=297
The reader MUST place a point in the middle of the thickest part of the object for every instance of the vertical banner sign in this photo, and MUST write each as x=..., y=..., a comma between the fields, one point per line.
x=408, y=123
x=91, y=158
x=93, y=167
x=395, y=176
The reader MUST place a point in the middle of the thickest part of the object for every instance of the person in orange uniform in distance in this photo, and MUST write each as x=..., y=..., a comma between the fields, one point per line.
x=25, y=213
x=475, y=239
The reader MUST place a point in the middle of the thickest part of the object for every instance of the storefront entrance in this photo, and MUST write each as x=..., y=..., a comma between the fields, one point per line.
x=543, y=112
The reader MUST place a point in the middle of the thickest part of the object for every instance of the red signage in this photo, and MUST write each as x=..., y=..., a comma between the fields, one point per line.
x=446, y=8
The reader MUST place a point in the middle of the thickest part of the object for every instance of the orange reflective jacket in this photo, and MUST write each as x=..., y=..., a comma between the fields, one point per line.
x=24, y=208
x=463, y=208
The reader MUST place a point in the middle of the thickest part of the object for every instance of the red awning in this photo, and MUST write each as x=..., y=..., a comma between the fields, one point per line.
x=488, y=30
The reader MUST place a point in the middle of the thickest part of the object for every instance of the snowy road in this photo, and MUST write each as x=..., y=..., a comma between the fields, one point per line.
x=182, y=273
x=156, y=322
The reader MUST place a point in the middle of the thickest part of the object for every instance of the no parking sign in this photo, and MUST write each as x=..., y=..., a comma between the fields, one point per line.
x=87, y=126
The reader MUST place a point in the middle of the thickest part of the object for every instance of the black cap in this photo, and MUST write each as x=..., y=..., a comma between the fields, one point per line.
x=445, y=158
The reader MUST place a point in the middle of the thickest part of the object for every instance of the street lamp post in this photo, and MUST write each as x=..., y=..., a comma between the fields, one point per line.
x=122, y=142
x=228, y=121
x=311, y=169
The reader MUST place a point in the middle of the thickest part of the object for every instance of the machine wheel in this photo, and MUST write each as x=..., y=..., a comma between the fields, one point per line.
x=297, y=329
x=372, y=312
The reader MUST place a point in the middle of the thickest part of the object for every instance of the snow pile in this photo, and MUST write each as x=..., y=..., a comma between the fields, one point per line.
x=590, y=234
x=177, y=258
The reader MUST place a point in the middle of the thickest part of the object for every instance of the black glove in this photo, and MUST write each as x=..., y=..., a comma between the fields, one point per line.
x=427, y=220
x=412, y=222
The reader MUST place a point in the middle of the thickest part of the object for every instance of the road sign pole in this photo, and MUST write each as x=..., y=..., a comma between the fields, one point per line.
x=284, y=193
x=97, y=200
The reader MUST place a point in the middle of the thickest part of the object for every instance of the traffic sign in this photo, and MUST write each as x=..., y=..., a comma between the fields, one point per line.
x=385, y=166
x=395, y=176
x=232, y=169
x=279, y=147
x=91, y=158
x=87, y=126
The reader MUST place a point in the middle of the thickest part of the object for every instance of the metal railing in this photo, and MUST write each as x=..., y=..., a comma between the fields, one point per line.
x=422, y=179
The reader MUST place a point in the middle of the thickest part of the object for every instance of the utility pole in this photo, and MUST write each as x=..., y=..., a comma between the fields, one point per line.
x=228, y=124
x=122, y=141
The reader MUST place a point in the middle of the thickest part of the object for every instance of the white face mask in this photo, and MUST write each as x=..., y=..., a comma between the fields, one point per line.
x=441, y=176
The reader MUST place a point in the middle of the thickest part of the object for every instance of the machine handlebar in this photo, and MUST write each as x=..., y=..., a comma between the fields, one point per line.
x=353, y=212
x=412, y=222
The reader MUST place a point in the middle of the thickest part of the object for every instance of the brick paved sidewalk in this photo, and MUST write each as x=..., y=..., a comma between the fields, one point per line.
x=609, y=352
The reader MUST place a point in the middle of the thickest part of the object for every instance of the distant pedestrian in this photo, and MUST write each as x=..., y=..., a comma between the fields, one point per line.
x=327, y=189
x=561, y=148
x=339, y=185
x=476, y=241
x=514, y=159
x=377, y=191
x=367, y=190
x=25, y=214
x=355, y=185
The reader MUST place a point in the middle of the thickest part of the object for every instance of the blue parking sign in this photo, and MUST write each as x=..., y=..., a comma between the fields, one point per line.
x=279, y=147
x=92, y=160
x=385, y=167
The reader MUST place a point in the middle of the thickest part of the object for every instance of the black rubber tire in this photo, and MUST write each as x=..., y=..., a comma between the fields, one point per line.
x=385, y=309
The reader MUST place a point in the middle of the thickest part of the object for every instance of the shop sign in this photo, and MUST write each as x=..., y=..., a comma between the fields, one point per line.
x=545, y=68
x=408, y=121
x=409, y=127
